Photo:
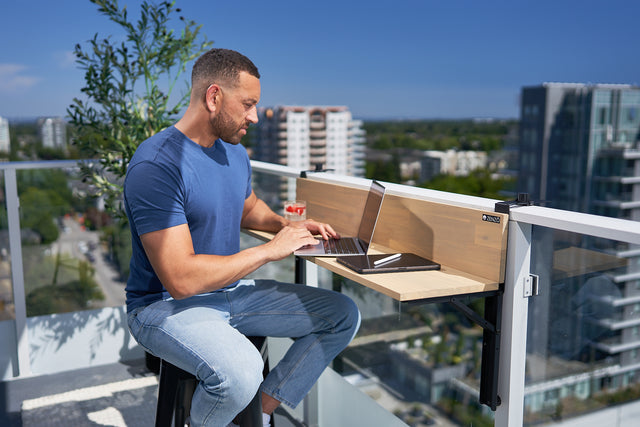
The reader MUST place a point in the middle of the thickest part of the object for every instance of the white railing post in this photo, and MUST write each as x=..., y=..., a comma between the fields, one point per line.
x=513, y=342
x=307, y=274
x=17, y=274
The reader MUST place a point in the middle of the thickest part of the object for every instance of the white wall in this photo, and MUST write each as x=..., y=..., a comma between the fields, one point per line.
x=67, y=341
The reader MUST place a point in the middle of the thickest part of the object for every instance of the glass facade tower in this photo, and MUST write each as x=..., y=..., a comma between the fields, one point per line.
x=580, y=151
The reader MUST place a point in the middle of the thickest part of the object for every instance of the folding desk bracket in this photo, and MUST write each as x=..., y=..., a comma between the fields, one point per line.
x=491, y=324
x=472, y=315
x=491, y=351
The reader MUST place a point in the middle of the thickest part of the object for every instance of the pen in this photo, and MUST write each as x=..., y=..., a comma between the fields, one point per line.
x=386, y=259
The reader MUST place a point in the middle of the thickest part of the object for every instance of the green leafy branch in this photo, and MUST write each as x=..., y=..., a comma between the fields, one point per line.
x=129, y=89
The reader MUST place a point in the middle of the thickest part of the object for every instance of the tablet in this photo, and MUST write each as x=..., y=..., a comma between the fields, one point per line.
x=364, y=264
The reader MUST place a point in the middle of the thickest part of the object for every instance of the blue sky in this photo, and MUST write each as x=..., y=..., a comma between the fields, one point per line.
x=383, y=59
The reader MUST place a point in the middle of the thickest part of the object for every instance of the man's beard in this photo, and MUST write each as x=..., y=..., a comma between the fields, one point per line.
x=226, y=129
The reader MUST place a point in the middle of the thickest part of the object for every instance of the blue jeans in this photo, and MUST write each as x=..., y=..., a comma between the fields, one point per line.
x=205, y=335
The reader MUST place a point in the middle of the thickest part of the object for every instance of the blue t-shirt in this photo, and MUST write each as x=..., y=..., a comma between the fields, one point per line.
x=171, y=180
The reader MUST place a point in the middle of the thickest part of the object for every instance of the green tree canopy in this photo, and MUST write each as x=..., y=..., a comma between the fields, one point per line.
x=478, y=183
x=36, y=206
x=438, y=134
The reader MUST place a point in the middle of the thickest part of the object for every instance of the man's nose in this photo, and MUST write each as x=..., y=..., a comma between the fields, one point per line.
x=253, y=115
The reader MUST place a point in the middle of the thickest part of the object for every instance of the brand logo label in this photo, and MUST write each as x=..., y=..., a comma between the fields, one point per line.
x=491, y=218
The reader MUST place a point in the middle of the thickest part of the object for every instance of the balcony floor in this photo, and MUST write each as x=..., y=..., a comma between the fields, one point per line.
x=118, y=395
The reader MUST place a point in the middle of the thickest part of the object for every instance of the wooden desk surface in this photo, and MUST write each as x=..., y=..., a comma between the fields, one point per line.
x=405, y=286
x=467, y=240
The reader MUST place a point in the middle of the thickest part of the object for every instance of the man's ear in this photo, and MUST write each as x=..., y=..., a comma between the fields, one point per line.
x=212, y=97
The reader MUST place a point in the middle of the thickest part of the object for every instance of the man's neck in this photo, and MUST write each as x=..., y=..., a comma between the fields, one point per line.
x=196, y=129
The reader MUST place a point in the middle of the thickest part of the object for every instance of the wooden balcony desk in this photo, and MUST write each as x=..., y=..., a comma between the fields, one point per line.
x=470, y=244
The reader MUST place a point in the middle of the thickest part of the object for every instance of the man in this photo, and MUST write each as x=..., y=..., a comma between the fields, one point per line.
x=187, y=194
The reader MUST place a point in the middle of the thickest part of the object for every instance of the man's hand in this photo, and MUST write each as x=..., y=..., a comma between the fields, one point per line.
x=288, y=240
x=315, y=228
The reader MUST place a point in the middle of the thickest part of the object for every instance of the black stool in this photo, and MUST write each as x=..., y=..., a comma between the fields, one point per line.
x=176, y=387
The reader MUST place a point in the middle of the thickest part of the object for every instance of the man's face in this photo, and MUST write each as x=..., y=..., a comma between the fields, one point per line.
x=237, y=109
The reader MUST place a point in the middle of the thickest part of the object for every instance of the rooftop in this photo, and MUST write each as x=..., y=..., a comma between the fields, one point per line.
x=80, y=368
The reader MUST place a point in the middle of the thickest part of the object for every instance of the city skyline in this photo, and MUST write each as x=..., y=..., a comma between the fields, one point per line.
x=409, y=59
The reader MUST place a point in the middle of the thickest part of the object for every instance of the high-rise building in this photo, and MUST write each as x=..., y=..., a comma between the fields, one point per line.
x=5, y=139
x=53, y=132
x=305, y=136
x=302, y=137
x=579, y=147
x=580, y=151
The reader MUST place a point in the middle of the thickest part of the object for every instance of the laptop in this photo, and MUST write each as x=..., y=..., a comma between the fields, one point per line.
x=350, y=246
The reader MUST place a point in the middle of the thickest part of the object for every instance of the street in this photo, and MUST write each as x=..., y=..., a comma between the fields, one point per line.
x=84, y=244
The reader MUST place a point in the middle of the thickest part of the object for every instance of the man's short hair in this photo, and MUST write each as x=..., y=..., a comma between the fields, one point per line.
x=221, y=66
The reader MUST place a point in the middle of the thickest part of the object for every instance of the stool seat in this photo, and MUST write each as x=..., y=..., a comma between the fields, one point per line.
x=176, y=387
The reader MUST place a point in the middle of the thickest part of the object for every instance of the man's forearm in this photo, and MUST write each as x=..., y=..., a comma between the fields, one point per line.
x=261, y=217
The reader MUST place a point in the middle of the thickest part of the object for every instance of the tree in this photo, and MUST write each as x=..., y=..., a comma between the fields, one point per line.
x=478, y=183
x=39, y=208
x=129, y=88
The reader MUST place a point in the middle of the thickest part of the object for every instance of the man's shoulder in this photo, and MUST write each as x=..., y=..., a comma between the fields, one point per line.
x=154, y=146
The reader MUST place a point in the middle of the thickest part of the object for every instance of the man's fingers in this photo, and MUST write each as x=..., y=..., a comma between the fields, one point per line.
x=299, y=236
x=326, y=231
x=332, y=232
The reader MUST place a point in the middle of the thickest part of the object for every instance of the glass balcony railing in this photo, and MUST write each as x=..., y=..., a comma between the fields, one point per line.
x=571, y=351
x=580, y=354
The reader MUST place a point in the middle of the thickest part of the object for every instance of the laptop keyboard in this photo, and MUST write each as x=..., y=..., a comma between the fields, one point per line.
x=340, y=246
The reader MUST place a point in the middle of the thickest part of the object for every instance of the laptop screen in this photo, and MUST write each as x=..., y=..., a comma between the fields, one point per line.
x=370, y=214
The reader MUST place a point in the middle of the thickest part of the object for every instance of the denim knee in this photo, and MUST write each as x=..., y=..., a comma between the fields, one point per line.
x=235, y=383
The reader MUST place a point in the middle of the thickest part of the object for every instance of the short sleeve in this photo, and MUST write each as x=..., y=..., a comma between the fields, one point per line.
x=154, y=196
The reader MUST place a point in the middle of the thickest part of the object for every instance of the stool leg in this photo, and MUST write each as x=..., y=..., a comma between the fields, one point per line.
x=186, y=388
x=251, y=416
x=166, y=396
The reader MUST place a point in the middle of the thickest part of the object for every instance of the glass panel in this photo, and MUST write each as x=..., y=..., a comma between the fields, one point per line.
x=74, y=256
x=419, y=362
x=582, y=341
x=7, y=310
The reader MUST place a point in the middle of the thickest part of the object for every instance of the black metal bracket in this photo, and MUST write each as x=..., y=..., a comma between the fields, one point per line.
x=491, y=352
x=491, y=324
x=523, y=199
x=318, y=168
x=472, y=315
